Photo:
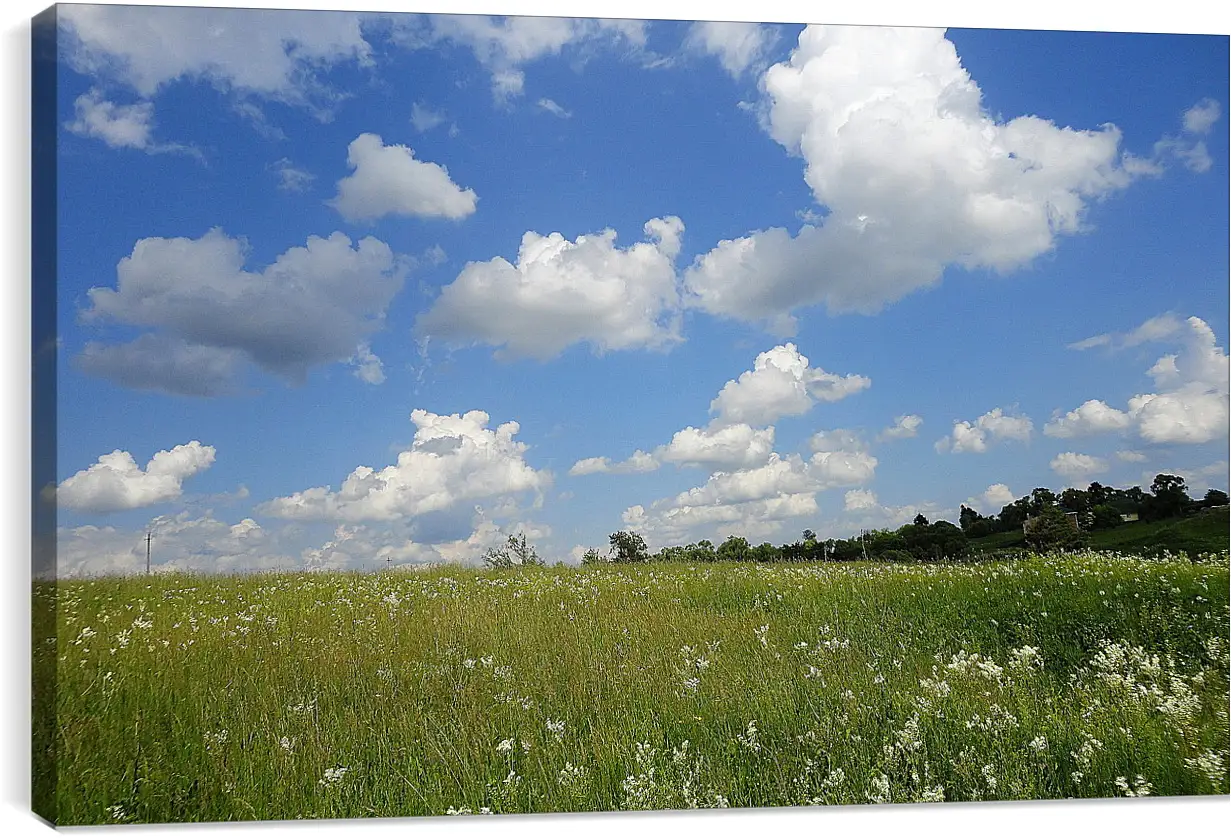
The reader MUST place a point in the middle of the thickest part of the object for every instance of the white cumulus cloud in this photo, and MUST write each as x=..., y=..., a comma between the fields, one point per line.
x=974, y=437
x=116, y=482
x=753, y=502
x=733, y=446
x=1077, y=467
x=887, y=122
x=1190, y=402
x=388, y=180
x=781, y=383
x=452, y=459
x=562, y=292
x=1093, y=417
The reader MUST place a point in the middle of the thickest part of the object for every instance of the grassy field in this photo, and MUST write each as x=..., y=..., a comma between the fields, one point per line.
x=616, y=687
x=1204, y=532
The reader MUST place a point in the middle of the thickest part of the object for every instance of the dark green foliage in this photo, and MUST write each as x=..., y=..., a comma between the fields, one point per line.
x=628, y=547
x=516, y=552
x=1051, y=529
x=1041, y=499
x=1104, y=517
x=1075, y=500
x=1168, y=498
x=734, y=549
x=982, y=527
x=1214, y=497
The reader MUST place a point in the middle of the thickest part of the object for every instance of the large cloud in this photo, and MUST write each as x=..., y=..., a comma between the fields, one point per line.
x=116, y=482
x=780, y=383
x=271, y=53
x=974, y=437
x=1190, y=402
x=563, y=292
x=1093, y=417
x=733, y=446
x=1192, y=406
x=314, y=305
x=1077, y=467
x=754, y=501
x=914, y=174
x=453, y=459
x=388, y=180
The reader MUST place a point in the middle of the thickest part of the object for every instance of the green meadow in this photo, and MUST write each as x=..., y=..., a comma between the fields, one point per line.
x=459, y=691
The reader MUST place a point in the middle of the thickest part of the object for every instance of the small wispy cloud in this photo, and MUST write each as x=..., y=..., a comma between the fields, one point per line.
x=290, y=178
x=1156, y=328
x=554, y=108
x=424, y=119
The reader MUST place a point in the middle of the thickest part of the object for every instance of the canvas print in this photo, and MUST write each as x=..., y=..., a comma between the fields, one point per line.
x=461, y=415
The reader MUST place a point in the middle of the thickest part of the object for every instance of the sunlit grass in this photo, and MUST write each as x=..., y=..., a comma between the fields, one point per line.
x=401, y=693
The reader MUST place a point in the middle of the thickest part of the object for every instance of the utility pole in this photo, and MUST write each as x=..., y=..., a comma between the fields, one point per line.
x=149, y=536
x=863, y=544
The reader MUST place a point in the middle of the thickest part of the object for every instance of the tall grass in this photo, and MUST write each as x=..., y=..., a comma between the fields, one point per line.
x=453, y=690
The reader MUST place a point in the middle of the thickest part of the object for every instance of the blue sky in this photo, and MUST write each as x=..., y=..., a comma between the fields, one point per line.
x=279, y=241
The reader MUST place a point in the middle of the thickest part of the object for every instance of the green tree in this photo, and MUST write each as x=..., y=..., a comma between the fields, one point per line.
x=1104, y=517
x=967, y=517
x=1168, y=498
x=765, y=553
x=1097, y=494
x=734, y=549
x=592, y=556
x=627, y=547
x=920, y=520
x=1075, y=500
x=1013, y=515
x=516, y=552
x=1051, y=529
x=702, y=551
x=1215, y=497
x=1041, y=499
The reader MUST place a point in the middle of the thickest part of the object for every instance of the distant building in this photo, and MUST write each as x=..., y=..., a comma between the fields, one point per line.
x=1028, y=524
x=1131, y=516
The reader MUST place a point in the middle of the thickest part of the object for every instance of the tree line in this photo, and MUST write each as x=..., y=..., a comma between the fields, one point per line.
x=1048, y=521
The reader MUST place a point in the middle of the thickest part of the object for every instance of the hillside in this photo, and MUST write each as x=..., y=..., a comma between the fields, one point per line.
x=1206, y=531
